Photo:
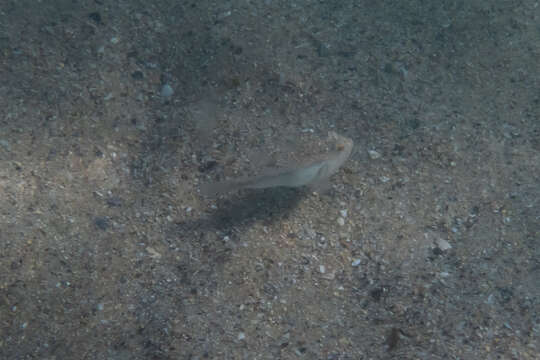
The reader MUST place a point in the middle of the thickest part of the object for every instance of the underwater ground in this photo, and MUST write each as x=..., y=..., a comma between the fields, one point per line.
x=424, y=246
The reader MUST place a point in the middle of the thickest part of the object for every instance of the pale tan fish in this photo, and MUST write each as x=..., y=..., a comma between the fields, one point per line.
x=309, y=172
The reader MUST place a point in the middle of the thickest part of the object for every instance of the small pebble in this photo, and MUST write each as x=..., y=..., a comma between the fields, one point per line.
x=322, y=269
x=137, y=75
x=167, y=90
x=343, y=213
x=374, y=154
x=101, y=222
x=356, y=262
x=241, y=336
x=96, y=17
x=443, y=244
x=5, y=145
x=340, y=221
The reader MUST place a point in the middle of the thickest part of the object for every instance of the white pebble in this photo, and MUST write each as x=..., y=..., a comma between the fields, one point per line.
x=443, y=244
x=374, y=154
x=322, y=269
x=340, y=221
x=356, y=262
x=241, y=336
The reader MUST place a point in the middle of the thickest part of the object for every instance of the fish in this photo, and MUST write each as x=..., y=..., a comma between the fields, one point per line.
x=310, y=171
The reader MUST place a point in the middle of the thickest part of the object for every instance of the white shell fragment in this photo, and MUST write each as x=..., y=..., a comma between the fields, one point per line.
x=443, y=244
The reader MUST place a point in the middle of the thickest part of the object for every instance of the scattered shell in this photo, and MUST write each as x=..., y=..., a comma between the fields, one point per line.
x=153, y=253
x=329, y=276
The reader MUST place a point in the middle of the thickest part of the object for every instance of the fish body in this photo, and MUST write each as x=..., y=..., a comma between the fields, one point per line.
x=304, y=173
